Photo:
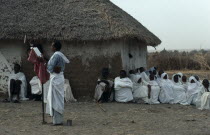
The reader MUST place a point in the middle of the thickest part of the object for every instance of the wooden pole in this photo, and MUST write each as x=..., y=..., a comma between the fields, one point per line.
x=43, y=118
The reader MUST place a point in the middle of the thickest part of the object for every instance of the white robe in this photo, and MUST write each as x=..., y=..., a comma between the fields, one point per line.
x=144, y=76
x=68, y=95
x=19, y=76
x=132, y=77
x=158, y=80
x=193, y=91
x=203, y=99
x=100, y=88
x=179, y=94
x=123, y=89
x=140, y=90
x=36, y=88
x=55, y=96
x=155, y=91
x=166, y=91
x=185, y=85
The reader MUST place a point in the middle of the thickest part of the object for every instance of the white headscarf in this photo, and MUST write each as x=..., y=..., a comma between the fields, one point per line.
x=166, y=94
x=166, y=80
x=163, y=75
x=180, y=74
x=193, y=88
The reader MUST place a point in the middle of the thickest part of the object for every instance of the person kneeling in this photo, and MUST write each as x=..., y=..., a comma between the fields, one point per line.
x=17, y=85
x=123, y=88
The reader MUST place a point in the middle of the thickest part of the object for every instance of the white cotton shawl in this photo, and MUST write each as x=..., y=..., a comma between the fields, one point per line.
x=123, y=89
x=55, y=96
x=166, y=93
x=122, y=83
x=179, y=93
x=140, y=90
x=193, y=88
x=144, y=77
x=155, y=91
x=61, y=55
x=203, y=99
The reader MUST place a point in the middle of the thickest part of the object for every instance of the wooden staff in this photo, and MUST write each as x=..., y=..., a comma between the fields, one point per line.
x=43, y=116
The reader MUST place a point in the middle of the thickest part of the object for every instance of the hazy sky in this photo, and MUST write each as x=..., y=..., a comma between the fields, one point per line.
x=180, y=24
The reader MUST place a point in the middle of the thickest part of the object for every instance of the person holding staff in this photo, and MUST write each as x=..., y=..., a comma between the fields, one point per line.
x=55, y=97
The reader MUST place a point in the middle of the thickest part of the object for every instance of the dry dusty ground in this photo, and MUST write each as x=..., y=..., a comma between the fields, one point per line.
x=119, y=119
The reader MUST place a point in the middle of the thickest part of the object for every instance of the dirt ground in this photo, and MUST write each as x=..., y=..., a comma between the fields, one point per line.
x=114, y=119
x=90, y=118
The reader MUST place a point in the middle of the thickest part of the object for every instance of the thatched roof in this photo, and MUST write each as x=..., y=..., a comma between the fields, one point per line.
x=69, y=20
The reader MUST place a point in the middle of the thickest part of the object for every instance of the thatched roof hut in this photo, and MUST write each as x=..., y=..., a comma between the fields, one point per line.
x=95, y=34
x=69, y=20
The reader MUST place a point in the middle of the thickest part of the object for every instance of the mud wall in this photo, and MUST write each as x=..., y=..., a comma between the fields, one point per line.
x=86, y=60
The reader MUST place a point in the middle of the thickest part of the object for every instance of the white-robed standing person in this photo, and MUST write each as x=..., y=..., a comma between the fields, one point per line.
x=55, y=97
x=193, y=90
x=123, y=87
x=179, y=91
x=17, y=85
x=203, y=99
x=166, y=91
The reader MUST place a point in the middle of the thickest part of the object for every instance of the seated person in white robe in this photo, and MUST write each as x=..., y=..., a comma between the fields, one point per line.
x=180, y=75
x=155, y=75
x=132, y=75
x=150, y=71
x=143, y=74
x=198, y=80
x=36, y=90
x=160, y=72
x=203, y=99
x=192, y=91
x=103, y=90
x=140, y=90
x=166, y=90
x=123, y=87
x=179, y=91
x=154, y=90
x=17, y=85
x=184, y=82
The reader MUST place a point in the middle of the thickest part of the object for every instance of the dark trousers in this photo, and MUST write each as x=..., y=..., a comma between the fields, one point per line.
x=15, y=87
x=105, y=97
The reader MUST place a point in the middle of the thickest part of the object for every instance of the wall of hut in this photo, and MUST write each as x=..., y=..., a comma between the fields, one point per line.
x=87, y=60
x=10, y=53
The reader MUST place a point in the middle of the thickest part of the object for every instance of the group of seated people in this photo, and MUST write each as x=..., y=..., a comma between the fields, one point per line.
x=153, y=87
x=140, y=86
x=18, y=89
